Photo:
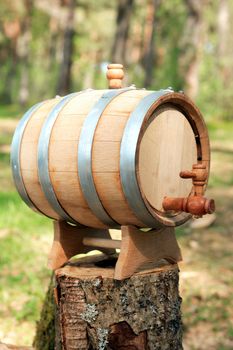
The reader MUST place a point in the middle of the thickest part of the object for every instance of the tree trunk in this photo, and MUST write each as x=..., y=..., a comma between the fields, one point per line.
x=98, y=312
x=64, y=79
x=12, y=32
x=23, y=52
x=124, y=12
x=192, y=46
x=223, y=28
x=225, y=46
x=149, y=42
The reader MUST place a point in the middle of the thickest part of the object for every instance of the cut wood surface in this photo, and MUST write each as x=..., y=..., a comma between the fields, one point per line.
x=98, y=312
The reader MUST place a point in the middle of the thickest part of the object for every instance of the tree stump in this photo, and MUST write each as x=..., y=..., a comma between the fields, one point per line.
x=95, y=311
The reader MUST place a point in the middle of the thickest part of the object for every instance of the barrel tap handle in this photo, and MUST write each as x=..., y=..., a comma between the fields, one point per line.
x=194, y=204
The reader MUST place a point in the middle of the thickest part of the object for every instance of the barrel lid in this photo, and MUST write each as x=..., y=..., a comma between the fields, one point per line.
x=167, y=147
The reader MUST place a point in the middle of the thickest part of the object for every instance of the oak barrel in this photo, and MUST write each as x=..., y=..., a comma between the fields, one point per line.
x=105, y=158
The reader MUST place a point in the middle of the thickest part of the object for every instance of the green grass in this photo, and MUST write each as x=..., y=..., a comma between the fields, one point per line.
x=220, y=130
x=15, y=215
x=11, y=111
x=5, y=138
x=203, y=309
x=25, y=240
x=4, y=159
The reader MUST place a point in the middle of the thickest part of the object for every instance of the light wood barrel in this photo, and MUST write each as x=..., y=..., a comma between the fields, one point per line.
x=105, y=158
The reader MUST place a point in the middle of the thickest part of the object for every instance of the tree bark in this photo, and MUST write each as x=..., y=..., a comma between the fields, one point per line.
x=192, y=46
x=23, y=49
x=98, y=312
x=64, y=79
x=225, y=46
x=12, y=31
x=124, y=11
x=223, y=28
x=149, y=42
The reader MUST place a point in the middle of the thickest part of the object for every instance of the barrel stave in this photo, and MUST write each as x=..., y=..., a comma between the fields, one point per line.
x=106, y=156
x=63, y=164
x=29, y=156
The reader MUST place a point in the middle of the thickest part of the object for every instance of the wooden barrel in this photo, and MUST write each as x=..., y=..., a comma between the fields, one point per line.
x=105, y=158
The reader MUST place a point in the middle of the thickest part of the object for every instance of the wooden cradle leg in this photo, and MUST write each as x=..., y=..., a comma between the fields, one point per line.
x=139, y=248
x=68, y=242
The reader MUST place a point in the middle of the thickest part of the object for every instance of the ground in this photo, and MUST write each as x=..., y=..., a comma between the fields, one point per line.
x=206, y=272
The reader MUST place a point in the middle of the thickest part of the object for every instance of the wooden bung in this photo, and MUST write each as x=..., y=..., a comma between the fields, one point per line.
x=115, y=75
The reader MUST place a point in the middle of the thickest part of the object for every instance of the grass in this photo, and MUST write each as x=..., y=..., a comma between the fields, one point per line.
x=25, y=238
x=10, y=111
x=221, y=166
x=206, y=274
x=16, y=216
x=220, y=130
x=206, y=287
x=5, y=138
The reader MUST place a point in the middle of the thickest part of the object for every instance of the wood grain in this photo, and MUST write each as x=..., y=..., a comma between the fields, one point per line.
x=166, y=145
x=28, y=158
x=68, y=242
x=146, y=248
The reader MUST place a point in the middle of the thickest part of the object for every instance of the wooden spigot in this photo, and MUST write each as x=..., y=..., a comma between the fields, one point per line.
x=198, y=175
x=194, y=204
x=115, y=74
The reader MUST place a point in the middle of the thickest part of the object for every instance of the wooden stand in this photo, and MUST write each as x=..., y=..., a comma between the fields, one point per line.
x=106, y=301
x=137, y=248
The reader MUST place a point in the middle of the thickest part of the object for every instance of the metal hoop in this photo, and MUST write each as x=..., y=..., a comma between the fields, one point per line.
x=128, y=158
x=15, y=156
x=85, y=156
x=43, y=161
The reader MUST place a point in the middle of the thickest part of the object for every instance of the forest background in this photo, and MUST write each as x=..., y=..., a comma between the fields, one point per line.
x=58, y=46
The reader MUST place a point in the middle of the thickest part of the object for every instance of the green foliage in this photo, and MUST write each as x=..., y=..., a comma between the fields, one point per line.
x=171, y=21
x=93, y=39
x=216, y=72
